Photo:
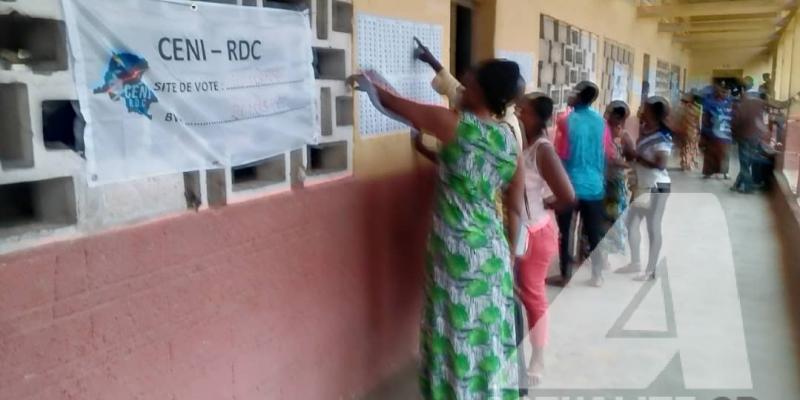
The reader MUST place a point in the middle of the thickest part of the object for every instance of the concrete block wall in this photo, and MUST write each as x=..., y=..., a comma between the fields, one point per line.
x=52, y=178
x=32, y=157
x=333, y=50
x=331, y=158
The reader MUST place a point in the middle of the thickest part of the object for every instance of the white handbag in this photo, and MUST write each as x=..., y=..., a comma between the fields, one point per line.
x=522, y=240
x=521, y=247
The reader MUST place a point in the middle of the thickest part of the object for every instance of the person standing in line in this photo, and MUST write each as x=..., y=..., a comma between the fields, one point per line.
x=748, y=130
x=547, y=187
x=748, y=87
x=561, y=134
x=767, y=88
x=468, y=323
x=617, y=193
x=587, y=144
x=716, y=133
x=652, y=186
x=447, y=85
x=687, y=128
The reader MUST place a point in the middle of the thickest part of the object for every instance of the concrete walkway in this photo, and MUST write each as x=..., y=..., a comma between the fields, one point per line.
x=710, y=230
x=769, y=333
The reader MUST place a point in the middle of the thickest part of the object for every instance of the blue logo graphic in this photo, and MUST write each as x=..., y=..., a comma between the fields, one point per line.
x=123, y=80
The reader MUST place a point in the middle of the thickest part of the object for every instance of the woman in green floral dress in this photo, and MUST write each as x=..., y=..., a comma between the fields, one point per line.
x=468, y=343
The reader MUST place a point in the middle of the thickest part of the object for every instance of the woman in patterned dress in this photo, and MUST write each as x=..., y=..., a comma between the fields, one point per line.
x=687, y=123
x=616, y=198
x=716, y=136
x=468, y=342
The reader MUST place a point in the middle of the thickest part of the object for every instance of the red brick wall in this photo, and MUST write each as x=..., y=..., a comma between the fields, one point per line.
x=314, y=294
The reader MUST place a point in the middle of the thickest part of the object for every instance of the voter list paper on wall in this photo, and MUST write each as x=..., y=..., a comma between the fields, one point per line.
x=167, y=86
x=387, y=46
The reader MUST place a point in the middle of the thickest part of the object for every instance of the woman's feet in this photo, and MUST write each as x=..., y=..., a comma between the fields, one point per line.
x=632, y=268
x=741, y=189
x=536, y=367
x=534, y=378
x=597, y=281
x=647, y=276
x=724, y=176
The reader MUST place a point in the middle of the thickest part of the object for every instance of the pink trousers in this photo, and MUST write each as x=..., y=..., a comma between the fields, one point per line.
x=533, y=267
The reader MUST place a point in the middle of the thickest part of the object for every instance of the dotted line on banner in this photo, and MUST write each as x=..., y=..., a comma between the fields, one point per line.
x=258, y=85
x=228, y=121
x=249, y=86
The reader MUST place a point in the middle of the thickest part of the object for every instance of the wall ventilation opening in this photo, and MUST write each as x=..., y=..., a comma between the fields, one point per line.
x=192, y=190
x=16, y=135
x=297, y=173
x=327, y=158
x=215, y=187
x=62, y=125
x=259, y=174
x=220, y=1
x=34, y=206
x=296, y=5
x=344, y=111
x=322, y=19
x=326, y=113
x=36, y=42
x=330, y=64
x=342, y=17
x=289, y=4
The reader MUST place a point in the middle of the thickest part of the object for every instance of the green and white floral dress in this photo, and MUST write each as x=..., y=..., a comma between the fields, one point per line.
x=468, y=339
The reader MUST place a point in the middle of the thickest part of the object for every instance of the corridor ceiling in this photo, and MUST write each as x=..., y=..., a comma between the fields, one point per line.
x=721, y=24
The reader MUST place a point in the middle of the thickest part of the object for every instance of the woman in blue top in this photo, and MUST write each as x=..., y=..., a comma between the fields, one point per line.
x=716, y=136
x=585, y=163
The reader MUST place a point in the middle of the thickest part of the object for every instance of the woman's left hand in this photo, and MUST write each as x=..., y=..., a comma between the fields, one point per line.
x=378, y=81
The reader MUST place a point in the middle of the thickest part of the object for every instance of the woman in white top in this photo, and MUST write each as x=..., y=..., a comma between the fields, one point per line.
x=547, y=187
x=652, y=185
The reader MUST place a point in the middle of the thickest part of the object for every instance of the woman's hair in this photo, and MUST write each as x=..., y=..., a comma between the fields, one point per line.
x=499, y=81
x=541, y=104
x=619, y=109
x=660, y=109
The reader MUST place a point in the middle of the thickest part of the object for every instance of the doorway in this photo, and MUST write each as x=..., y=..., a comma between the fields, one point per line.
x=730, y=79
x=461, y=17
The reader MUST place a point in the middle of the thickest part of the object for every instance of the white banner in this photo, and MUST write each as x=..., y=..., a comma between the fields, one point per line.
x=167, y=86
